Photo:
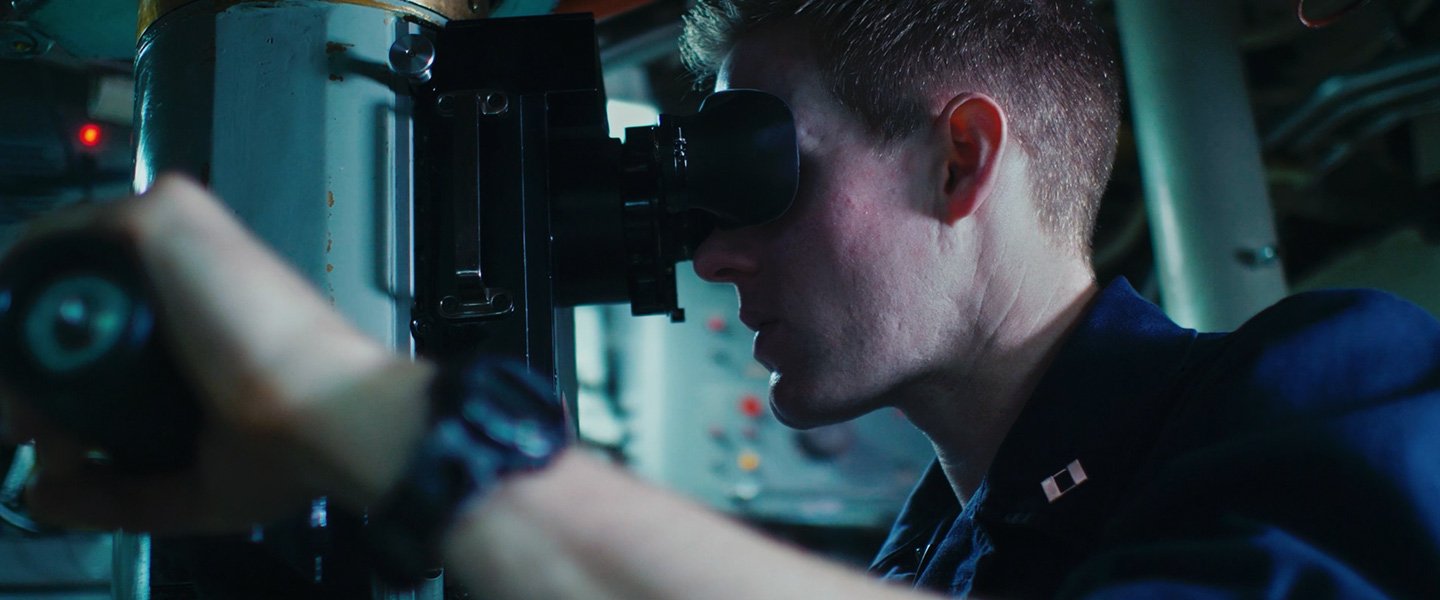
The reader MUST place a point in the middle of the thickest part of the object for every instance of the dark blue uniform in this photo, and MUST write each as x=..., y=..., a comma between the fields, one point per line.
x=1297, y=457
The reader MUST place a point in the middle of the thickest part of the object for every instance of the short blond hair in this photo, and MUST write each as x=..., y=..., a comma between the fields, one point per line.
x=1046, y=61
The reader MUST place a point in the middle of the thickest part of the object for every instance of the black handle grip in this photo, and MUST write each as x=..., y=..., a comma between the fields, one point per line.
x=79, y=341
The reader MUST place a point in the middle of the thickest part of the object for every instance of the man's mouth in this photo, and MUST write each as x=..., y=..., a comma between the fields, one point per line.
x=764, y=328
x=755, y=320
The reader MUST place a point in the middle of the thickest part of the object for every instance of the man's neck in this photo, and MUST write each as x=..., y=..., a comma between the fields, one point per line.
x=967, y=412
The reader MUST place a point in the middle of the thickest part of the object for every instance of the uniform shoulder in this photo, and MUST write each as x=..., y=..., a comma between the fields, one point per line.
x=1321, y=352
x=1337, y=323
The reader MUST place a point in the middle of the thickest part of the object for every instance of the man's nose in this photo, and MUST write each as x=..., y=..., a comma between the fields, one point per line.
x=727, y=256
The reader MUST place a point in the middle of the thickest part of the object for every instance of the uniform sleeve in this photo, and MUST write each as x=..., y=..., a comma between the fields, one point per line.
x=1306, y=464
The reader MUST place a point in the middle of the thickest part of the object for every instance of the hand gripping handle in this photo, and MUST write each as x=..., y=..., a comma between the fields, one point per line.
x=80, y=342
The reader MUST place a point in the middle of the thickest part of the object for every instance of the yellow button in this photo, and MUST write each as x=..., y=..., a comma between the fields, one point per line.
x=748, y=461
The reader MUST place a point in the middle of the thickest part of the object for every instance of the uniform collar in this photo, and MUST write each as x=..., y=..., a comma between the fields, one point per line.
x=1090, y=407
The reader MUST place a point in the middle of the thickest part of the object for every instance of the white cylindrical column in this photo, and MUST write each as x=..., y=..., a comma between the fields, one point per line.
x=1216, y=250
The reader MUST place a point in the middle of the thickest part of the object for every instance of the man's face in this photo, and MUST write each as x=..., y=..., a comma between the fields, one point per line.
x=846, y=291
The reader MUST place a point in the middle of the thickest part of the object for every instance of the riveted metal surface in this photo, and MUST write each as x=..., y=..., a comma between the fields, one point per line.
x=432, y=11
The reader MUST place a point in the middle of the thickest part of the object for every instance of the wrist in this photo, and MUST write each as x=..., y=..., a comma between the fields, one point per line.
x=361, y=438
x=489, y=420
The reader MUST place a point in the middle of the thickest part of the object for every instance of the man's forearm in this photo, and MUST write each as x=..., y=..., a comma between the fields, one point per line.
x=584, y=529
x=580, y=528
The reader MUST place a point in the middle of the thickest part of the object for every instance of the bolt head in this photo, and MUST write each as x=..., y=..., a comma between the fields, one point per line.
x=412, y=56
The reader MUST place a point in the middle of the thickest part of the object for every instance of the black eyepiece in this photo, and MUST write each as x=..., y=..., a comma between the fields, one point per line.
x=736, y=159
x=733, y=164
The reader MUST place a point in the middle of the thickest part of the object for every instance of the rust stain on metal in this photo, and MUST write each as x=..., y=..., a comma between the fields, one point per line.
x=334, y=77
x=333, y=47
x=329, y=268
x=330, y=200
x=328, y=245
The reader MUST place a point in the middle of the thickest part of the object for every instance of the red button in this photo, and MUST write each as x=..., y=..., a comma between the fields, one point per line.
x=90, y=135
x=750, y=406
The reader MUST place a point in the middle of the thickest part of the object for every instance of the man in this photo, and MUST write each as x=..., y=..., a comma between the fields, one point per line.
x=934, y=261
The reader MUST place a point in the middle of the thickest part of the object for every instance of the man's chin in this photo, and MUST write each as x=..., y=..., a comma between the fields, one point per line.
x=799, y=404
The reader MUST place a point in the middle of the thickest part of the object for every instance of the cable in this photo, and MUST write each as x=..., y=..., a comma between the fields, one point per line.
x=1330, y=20
x=14, y=485
x=19, y=521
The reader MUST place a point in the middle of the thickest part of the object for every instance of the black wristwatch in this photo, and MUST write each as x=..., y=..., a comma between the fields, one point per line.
x=488, y=418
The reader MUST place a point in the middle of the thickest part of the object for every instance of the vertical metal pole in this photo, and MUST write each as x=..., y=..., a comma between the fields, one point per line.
x=1205, y=188
x=130, y=576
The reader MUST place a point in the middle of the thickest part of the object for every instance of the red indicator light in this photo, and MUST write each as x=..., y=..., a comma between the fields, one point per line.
x=716, y=324
x=750, y=406
x=90, y=135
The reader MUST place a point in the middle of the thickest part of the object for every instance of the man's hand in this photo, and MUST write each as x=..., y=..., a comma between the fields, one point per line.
x=296, y=402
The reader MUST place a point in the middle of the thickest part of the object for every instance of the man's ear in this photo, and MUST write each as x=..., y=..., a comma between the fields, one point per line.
x=975, y=134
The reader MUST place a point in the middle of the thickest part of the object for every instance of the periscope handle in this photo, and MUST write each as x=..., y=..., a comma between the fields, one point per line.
x=81, y=342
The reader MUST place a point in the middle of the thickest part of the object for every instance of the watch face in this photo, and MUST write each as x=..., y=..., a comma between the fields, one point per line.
x=492, y=417
x=512, y=408
x=525, y=435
